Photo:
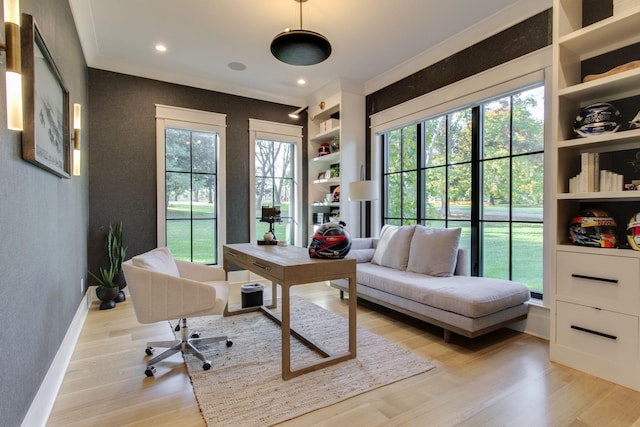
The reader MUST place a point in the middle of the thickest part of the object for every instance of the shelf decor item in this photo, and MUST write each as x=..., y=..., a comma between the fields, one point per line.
x=633, y=232
x=597, y=119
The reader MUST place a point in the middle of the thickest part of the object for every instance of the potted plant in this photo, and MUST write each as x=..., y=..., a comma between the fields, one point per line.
x=116, y=253
x=107, y=290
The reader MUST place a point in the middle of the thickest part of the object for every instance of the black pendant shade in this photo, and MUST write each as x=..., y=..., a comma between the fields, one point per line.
x=300, y=47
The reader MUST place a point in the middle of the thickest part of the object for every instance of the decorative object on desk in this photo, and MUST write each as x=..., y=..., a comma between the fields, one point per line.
x=270, y=215
x=619, y=69
x=324, y=149
x=635, y=122
x=46, y=139
x=594, y=228
x=330, y=241
x=242, y=389
x=633, y=232
x=597, y=119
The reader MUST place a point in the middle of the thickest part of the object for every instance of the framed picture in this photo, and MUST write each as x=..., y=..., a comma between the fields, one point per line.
x=46, y=139
x=321, y=175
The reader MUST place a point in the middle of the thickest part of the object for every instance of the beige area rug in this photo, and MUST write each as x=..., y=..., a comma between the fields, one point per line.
x=244, y=386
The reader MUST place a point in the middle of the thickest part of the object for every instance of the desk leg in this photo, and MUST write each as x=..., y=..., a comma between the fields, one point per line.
x=274, y=296
x=286, y=333
x=353, y=307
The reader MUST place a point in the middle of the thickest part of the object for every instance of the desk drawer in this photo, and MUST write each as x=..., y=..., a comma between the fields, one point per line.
x=611, y=282
x=233, y=256
x=265, y=268
x=602, y=333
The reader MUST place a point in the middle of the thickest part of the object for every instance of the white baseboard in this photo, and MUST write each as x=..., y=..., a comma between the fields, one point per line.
x=42, y=404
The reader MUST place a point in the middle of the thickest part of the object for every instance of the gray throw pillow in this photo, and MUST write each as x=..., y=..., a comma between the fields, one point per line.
x=434, y=251
x=393, y=247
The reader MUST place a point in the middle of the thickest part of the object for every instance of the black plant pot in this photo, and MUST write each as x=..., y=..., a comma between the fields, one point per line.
x=120, y=280
x=121, y=297
x=107, y=296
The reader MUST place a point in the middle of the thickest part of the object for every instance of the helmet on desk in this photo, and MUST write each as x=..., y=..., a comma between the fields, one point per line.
x=331, y=240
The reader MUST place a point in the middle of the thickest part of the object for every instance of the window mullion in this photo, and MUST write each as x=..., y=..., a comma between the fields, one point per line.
x=476, y=192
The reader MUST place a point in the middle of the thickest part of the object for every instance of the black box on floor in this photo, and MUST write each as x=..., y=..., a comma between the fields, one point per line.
x=251, y=295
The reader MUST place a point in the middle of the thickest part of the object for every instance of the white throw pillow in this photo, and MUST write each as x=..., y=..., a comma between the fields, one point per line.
x=434, y=251
x=393, y=247
x=159, y=260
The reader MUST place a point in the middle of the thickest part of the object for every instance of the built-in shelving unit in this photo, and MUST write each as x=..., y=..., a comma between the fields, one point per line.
x=596, y=294
x=344, y=105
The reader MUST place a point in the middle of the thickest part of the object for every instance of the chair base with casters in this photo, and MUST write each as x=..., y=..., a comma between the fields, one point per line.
x=187, y=344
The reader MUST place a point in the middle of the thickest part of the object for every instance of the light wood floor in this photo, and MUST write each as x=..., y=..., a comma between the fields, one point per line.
x=502, y=379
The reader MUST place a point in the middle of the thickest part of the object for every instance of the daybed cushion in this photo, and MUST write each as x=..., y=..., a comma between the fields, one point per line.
x=469, y=296
x=434, y=251
x=393, y=246
x=159, y=260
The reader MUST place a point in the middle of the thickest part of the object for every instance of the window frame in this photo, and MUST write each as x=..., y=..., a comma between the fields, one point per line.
x=266, y=130
x=193, y=120
x=506, y=78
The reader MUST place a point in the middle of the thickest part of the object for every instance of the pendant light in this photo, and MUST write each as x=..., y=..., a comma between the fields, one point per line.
x=300, y=47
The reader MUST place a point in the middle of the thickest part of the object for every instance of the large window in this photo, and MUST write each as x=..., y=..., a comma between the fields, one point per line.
x=274, y=168
x=481, y=169
x=190, y=193
x=276, y=159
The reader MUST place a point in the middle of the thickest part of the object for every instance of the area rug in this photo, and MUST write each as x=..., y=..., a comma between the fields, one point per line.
x=244, y=386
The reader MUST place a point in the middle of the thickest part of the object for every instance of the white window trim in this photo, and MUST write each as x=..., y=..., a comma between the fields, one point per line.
x=507, y=77
x=261, y=129
x=184, y=118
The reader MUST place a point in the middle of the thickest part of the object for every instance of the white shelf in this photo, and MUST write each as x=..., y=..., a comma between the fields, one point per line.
x=616, y=252
x=616, y=86
x=329, y=181
x=325, y=136
x=605, y=196
x=328, y=158
x=603, y=36
x=606, y=142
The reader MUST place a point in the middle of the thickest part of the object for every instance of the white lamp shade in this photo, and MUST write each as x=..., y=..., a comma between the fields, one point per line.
x=363, y=190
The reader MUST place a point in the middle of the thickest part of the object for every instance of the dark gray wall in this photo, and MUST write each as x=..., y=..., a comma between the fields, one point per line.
x=43, y=234
x=122, y=154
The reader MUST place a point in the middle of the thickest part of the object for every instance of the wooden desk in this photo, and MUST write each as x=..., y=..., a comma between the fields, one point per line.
x=290, y=266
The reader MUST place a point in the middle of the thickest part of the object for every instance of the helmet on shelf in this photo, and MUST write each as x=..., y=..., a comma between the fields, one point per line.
x=595, y=228
x=331, y=240
x=324, y=149
x=597, y=119
x=633, y=232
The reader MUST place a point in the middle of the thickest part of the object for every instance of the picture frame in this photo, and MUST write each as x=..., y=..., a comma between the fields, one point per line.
x=46, y=138
x=321, y=175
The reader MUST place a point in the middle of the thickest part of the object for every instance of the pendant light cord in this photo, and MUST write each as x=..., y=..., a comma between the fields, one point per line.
x=300, y=1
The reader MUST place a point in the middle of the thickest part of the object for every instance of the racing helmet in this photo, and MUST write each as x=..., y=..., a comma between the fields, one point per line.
x=633, y=232
x=331, y=240
x=597, y=119
x=595, y=228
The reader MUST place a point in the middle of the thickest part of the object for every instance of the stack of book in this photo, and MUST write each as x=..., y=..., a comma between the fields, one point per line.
x=592, y=178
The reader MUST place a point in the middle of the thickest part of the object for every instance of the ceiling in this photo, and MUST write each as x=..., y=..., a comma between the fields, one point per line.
x=375, y=42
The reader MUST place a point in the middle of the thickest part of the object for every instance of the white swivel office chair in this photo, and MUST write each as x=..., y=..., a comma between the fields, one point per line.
x=164, y=289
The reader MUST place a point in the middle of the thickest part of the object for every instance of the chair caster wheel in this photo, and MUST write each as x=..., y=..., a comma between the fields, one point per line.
x=150, y=371
x=149, y=351
x=206, y=366
x=229, y=343
x=196, y=334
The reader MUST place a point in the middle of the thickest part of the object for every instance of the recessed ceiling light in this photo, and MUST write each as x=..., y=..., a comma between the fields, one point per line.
x=237, y=66
x=302, y=82
x=161, y=48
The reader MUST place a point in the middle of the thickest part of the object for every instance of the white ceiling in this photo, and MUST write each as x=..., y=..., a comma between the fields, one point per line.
x=375, y=42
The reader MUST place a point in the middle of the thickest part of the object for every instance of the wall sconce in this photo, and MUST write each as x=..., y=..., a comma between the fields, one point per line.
x=296, y=114
x=77, y=125
x=14, y=67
